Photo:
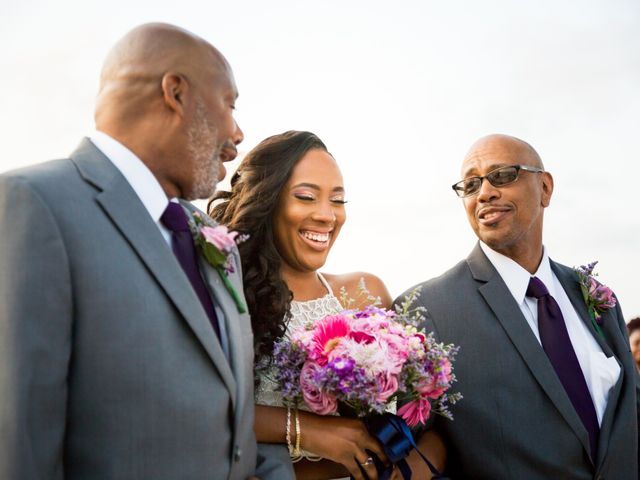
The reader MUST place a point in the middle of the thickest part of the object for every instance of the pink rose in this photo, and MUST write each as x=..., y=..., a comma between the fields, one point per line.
x=220, y=236
x=320, y=402
x=364, y=330
x=420, y=336
x=604, y=296
x=415, y=412
x=430, y=390
x=601, y=296
x=397, y=347
x=439, y=382
x=445, y=370
x=387, y=385
x=362, y=337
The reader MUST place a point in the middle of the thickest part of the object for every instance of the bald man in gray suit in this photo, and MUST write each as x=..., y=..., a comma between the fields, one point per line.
x=548, y=393
x=122, y=356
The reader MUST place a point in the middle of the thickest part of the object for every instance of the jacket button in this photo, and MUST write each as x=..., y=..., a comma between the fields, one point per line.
x=237, y=453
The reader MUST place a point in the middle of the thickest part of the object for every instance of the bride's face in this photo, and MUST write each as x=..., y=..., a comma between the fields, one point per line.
x=310, y=212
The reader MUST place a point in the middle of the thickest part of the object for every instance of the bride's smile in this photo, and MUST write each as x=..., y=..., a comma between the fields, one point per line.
x=316, y=240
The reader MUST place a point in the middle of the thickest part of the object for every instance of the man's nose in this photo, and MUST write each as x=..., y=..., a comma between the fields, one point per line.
x=238, y=135
x=487, y=191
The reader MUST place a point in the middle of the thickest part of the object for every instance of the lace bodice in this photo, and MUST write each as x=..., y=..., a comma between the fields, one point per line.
x=301, y=314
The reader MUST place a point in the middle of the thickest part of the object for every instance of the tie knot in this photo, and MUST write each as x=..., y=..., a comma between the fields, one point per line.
x=536, y=288
x=174, y=218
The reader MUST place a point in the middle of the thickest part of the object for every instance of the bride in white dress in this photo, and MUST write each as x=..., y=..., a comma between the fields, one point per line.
x=288, y=195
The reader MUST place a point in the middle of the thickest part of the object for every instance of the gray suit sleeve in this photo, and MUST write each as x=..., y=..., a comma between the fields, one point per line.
x=35, y=335
x=274, y=462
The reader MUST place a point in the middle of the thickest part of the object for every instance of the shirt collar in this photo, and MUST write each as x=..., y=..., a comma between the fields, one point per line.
x=141, y=179
x=517, y=278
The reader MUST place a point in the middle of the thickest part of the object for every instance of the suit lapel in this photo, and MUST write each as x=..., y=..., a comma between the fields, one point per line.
x=571, y=285
x=231, y=325
x=232, y=318
x=123, y=207
x=508, y=314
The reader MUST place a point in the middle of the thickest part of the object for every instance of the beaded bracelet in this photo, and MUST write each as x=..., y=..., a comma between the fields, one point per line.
x=297, y=452
x=288, y=432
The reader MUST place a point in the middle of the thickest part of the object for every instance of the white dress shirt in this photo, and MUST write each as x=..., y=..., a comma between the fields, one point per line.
x=600, y=372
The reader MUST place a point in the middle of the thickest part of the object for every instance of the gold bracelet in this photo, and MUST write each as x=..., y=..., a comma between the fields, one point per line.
x=297, y=452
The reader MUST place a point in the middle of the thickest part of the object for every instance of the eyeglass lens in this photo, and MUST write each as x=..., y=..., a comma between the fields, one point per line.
x=497, y=178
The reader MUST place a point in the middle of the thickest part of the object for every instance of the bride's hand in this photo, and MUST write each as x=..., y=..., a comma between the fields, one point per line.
x=342, y=440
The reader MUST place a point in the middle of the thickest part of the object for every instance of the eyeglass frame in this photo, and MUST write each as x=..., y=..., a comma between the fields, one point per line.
x=526, y=168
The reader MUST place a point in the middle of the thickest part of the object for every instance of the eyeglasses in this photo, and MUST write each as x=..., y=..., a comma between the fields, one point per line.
x=498, y=178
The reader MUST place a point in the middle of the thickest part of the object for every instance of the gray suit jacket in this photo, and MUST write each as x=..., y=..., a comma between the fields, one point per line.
x=109, y=367
x=515, y=420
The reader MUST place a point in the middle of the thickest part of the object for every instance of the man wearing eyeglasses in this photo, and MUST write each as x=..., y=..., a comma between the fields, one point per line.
x=548, y=394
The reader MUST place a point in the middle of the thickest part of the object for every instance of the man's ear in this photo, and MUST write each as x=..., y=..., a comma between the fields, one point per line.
x=175, y=91
x=547, y=189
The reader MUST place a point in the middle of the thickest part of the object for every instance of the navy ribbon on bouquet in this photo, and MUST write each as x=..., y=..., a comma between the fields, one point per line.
x=397, y=441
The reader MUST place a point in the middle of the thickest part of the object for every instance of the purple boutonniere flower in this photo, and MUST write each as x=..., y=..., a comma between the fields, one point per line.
x=598, y=297
x=216, y=243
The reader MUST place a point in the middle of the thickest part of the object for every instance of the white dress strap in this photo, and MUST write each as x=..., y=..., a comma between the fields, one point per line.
x=325, y=283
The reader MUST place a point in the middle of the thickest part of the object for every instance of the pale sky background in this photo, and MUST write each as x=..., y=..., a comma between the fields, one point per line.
x=398, y=91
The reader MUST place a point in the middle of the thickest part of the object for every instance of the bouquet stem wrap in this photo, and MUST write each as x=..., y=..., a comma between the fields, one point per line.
x=397, y=441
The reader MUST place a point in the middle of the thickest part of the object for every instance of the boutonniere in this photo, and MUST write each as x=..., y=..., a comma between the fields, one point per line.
x=216, y=246
x=598, y=297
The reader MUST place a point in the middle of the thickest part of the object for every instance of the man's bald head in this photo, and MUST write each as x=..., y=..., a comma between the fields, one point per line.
x=511, y=146
x=134, y=67
x=168, y=96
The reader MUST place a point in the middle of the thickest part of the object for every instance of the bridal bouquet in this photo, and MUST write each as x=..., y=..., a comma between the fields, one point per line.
x=366, y=360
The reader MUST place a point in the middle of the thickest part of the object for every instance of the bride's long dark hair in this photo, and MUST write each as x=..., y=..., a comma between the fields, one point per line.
x=249, y=208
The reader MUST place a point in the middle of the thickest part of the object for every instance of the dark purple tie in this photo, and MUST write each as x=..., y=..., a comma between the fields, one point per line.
x=175, y=220
x=557, y=345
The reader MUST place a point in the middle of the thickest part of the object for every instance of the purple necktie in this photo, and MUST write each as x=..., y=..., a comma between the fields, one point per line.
x=557, y=345
x=175, y=220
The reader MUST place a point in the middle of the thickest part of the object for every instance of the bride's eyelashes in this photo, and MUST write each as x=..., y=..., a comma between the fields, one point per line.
x=304, y=196
x=310, y=198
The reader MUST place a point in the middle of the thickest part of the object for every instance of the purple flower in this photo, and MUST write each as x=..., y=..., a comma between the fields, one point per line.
x=318, y=399
x=602, y=295
x=597, y=296
x=288, y=359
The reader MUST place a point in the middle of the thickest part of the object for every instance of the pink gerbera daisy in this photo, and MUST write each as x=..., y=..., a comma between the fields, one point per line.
x=327, y=334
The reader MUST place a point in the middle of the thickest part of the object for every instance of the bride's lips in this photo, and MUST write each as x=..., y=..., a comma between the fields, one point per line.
x=492, y=215
x=316, y=239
